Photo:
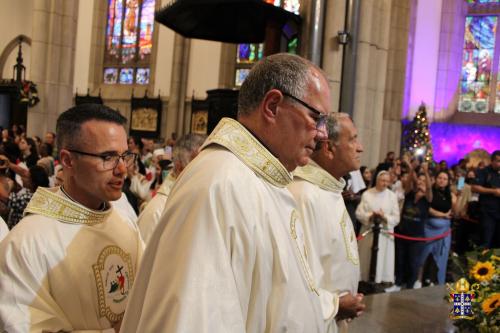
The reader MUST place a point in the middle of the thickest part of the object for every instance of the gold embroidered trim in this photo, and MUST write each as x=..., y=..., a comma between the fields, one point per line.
x=303, y=257
x=47, y=203
x=345, y=234
x=316, y=175
x=105, y=310
x=232, y=135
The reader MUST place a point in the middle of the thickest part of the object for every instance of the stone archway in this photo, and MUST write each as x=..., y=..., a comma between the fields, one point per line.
x=12, y=45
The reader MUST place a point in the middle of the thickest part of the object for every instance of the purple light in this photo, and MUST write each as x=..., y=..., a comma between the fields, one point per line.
x=451, y=142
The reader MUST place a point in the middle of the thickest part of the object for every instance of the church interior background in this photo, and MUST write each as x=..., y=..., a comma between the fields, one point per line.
x=383, y=58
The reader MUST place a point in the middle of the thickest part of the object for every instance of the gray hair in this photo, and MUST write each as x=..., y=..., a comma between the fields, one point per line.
x=333, y=125
x=283, y=71
x=186, y=146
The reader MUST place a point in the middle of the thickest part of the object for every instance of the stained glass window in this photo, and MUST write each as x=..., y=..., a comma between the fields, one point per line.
x=129, y=41
x=482, y=1
x=477, y=60
x=248, y=54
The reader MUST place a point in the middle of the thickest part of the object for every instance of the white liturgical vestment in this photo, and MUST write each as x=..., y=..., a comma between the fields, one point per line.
x=4, y=230
x=373, y=200
x=150, y=216
x=228, y=254
x=329, y=231
x=66, y=267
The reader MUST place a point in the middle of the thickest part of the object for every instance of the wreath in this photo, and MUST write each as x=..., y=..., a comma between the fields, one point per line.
x=29, y=93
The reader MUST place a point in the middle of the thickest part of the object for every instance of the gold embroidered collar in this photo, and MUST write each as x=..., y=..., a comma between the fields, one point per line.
x=316, y=175
x=232, y=135
x=54, y=204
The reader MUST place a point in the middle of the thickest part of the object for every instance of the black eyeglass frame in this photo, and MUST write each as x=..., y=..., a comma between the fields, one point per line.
x=104, y=156
x=319, y=117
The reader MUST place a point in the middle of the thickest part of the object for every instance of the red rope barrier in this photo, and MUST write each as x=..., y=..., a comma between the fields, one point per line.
x=419, y=239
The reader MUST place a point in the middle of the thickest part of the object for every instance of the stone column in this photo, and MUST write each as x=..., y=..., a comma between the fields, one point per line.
x=52, y=61
x=178, y=86
x=396, y=73
x=371, y=75
x=451, y=40
x=332, y=50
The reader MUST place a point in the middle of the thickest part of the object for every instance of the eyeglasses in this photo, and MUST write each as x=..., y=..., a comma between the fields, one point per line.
x=319, y=117
x=110, y=160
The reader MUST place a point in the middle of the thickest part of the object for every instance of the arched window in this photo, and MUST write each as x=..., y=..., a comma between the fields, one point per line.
x=248, y=54
x=479, y=86
x=129, y=41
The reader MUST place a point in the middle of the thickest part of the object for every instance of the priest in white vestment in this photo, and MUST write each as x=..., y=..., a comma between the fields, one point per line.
x=185, y=149
x=4, y=230
x=317, y=188
x=70, y=264
x=229, y=254
x=382, y=203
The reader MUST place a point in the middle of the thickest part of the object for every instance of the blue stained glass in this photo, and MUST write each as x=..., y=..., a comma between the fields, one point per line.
x=482, y=1
x=110, y=75
x=142, y=76
x=243, y=52
x=480, y=32
x=241, y=75
x=477, y=59
x=126, y=75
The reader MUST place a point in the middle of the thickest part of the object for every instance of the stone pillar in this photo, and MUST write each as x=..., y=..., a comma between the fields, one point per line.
x=396, y=73
x=313, y=27
x=178, y=86
x=371, y=75
x=332, y=50
x=52, y=61
x=451, y=40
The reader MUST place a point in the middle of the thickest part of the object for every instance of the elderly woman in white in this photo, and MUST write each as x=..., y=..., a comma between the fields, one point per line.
x=378, y=202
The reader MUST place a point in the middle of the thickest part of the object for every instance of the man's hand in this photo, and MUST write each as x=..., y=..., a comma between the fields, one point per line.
x=350, y=306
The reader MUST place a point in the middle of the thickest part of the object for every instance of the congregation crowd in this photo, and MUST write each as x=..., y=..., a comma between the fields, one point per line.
x=266, y=225
x=432, y=209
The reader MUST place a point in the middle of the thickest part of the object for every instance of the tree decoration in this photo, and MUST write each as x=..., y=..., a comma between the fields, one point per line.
x=416, y=136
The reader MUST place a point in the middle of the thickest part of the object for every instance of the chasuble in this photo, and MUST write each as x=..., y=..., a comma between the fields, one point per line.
x=228, y=253
x=66, y=267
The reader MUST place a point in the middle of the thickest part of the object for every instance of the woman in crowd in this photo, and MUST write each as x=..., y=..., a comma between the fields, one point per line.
x=366, y=173
x=20, y=196
x=440, y=213
x=29, y=153
x=378, y=204
x=418, y=196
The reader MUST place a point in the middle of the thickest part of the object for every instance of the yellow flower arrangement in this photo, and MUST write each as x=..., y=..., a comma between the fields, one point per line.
x=482, y=271
x=491, y=303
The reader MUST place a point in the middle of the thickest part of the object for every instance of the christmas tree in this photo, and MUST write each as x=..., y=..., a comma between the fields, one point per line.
x=416, y=136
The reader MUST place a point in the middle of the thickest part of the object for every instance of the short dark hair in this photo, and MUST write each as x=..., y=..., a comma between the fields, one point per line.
x=38, y=177
x=495, y=154
x=283, y=71
x=70, y=122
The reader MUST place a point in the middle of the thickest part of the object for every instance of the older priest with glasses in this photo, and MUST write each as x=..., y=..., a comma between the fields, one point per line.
x=69, y=265
x=228, y=253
